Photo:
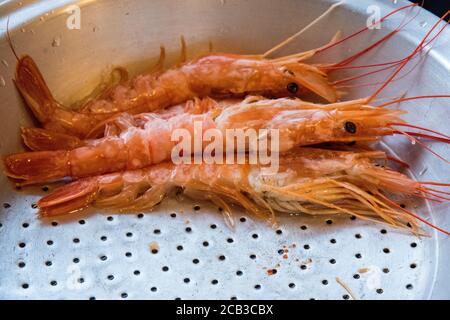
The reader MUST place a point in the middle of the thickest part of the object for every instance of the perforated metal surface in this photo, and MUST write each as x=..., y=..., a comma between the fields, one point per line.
x=183, y=249
x=178, y=252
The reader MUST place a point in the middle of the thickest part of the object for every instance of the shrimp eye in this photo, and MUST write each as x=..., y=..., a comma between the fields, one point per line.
x=350, y=127
x=292, y=87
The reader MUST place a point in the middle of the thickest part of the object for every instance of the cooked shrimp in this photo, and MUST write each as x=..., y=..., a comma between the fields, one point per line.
x=211, y=75
x=38, y=139
x=310, y=181
x=134, y=145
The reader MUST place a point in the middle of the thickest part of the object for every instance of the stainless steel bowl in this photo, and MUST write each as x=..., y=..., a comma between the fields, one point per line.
x=101, y=256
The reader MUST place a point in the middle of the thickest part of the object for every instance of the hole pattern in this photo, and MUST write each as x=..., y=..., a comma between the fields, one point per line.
x=210, y=248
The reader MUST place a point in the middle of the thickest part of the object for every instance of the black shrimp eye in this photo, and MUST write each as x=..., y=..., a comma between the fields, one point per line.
x=292, y=87
x=350, y=127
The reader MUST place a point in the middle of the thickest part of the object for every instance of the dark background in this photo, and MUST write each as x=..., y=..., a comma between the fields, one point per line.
x=438, y=7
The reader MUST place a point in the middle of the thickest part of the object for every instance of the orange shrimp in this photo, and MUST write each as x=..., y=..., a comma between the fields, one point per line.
x=211, y=75
x=310, y=181
x=38, y=139
x=149, y=141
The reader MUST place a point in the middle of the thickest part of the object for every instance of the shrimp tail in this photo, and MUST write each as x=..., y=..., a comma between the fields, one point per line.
x=34, y=89
x=114, y=191
x=38, y=139
x=70, y=198
x=39, y=166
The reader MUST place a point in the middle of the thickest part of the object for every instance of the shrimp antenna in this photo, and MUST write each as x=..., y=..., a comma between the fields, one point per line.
x=403, y=64
x=415, y=216
x=411, y=135
x=290, y=39
x=412, y=98
x=10, y=43
x=366, y=28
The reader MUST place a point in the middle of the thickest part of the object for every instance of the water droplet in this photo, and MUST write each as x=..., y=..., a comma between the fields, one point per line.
x=2, y=82
x=32, y=31
x=56, y=42
x=421, y=173
x=5, y=63
x=42, y=18
x=223, y=2
x=394, y=1
x=95, y=29
x=423, y=24
x=23, y=30
x=413, y=142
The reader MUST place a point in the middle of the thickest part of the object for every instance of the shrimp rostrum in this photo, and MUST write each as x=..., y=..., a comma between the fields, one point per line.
x=310, y=181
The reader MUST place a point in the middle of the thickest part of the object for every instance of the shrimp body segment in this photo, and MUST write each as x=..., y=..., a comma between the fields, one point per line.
x=149, y=140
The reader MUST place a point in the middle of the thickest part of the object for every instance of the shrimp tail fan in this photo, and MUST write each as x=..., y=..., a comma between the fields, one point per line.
x=70, y=198
x=38, y=139
x=38, y=167
x=34, y=89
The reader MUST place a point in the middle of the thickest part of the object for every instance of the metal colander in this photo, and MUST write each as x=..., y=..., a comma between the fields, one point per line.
x=183, y=249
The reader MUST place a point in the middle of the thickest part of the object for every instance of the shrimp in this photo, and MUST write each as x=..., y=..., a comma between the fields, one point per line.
x=215, y=75
x=310, y=181
x=149, y=140
x=38, y=139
